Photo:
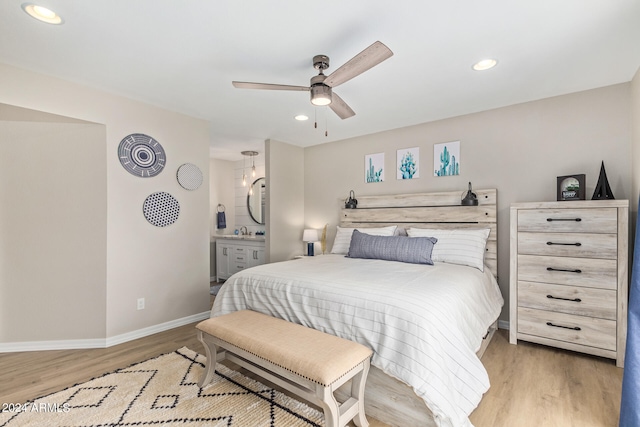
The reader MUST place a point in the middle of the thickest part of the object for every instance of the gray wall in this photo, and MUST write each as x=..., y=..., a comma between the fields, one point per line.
x=53, y=227
x=635, y=131
x=168, y=266
x=285, y=174
x=520, y=150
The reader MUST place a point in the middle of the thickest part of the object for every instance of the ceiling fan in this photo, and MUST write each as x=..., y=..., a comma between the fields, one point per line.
x=321, y=86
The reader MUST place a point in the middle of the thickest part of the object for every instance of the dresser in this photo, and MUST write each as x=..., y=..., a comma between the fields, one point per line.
x=569, y=275
x=235, y=254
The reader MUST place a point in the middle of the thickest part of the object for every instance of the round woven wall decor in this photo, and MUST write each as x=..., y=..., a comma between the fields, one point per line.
x=161, y=209
x=189, y=176
x=141, y=155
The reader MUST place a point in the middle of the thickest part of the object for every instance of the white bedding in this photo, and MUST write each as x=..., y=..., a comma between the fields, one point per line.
x=424, y=323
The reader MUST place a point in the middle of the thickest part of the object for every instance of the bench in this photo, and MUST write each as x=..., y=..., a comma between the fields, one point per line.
x=304, y=361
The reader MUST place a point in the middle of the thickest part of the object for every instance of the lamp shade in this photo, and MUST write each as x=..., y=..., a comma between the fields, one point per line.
x=320, y=94
x=310, y=235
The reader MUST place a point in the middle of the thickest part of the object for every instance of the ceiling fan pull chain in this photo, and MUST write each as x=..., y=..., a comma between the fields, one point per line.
x=326, y=130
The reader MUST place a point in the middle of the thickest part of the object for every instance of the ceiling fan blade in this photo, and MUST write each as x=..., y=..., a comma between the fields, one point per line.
x=368, y=58
x=267, y=86
x=340, y=107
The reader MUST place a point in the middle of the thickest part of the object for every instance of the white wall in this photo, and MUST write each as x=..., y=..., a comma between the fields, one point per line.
x=242, y=217
x=222, y=191
x=520, y=150
x=167, y=266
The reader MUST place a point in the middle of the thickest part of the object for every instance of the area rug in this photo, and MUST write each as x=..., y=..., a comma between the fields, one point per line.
x=163, y=391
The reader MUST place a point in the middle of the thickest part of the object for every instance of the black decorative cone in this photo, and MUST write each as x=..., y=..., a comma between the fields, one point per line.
x=603, y=190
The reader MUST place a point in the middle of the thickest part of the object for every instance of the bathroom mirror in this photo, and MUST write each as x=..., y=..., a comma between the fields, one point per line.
x=256, y=199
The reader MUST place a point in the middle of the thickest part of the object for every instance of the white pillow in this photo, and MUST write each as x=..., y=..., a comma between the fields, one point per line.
x=461, y=246
x=343, y=236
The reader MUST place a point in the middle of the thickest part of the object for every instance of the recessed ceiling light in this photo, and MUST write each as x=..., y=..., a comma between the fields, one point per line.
x=301, y=117
x=42, y=13
x=485, y=64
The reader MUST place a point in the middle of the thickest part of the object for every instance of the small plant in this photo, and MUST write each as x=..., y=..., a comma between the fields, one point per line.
x=323, y=239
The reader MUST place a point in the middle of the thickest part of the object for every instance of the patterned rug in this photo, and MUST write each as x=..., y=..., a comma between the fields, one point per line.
x=164, y=392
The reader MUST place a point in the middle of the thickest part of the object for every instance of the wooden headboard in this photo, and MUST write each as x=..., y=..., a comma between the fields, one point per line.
x=430, y=210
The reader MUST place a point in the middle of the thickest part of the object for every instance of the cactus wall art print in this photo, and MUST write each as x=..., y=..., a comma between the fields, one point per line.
x=446, y=159
x=374, y=167
x=407, y=166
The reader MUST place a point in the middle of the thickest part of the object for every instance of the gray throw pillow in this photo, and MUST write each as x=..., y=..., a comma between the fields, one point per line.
x=414, y=250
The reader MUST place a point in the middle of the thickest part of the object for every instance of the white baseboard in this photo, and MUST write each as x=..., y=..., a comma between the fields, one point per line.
x=119, y=339
x=130, y=336
x=13, y=347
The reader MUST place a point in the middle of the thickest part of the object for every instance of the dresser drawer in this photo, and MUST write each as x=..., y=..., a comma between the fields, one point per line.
x=594, y=220
x=603, y=246
x=570, y=328
x=590, y=273
x=577, y=300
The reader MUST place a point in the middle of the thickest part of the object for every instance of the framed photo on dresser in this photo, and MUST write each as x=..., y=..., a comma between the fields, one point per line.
x=571, y=187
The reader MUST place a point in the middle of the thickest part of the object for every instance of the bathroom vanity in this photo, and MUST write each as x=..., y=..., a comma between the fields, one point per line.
x=235, y=253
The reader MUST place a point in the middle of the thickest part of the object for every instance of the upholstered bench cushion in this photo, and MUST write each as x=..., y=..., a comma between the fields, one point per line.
x=307, y=352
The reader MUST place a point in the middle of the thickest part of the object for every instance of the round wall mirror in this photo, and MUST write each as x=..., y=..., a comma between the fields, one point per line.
x=256, y=199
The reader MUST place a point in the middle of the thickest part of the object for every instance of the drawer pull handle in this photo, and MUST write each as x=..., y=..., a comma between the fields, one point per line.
x=564, y=299
x=564, y=219
x=577, y=270
x=573, y=328
x=564, y=244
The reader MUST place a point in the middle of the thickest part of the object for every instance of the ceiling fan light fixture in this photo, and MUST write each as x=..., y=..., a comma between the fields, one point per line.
x=320, y=94
x=301, y=117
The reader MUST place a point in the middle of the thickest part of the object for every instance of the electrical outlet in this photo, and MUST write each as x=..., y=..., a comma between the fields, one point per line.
x=140, y=303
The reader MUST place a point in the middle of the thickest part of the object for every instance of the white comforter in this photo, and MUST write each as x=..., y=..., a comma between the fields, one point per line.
x=424, y=323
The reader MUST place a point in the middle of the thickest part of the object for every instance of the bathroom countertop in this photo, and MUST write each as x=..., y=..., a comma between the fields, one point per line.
x=252, y=238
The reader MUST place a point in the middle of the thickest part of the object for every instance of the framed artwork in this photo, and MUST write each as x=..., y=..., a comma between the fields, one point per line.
x=407, y=163
x=446, y=159
x=571, y=187
x=374, y=167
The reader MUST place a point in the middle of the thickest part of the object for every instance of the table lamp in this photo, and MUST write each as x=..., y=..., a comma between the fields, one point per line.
x=310, y=236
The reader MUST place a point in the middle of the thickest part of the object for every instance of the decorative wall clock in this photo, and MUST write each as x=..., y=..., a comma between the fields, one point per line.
x=141, y=155
x=189, y=176
x=161, y=209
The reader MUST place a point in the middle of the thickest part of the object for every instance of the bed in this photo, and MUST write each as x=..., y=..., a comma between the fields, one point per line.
x=427, y=324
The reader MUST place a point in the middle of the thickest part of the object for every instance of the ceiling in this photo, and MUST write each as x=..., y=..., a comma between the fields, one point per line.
x=182, y=56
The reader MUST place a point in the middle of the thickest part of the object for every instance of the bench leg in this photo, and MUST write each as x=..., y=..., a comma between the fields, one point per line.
x=357, y=391
x=210, y=366
x=330, y=406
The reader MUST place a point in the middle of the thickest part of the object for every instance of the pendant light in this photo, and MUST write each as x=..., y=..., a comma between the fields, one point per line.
x=244, y=175
x=246, y=154
x=253, y=168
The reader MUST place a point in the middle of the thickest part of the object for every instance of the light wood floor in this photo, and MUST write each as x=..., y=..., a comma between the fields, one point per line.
x=531, y=385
